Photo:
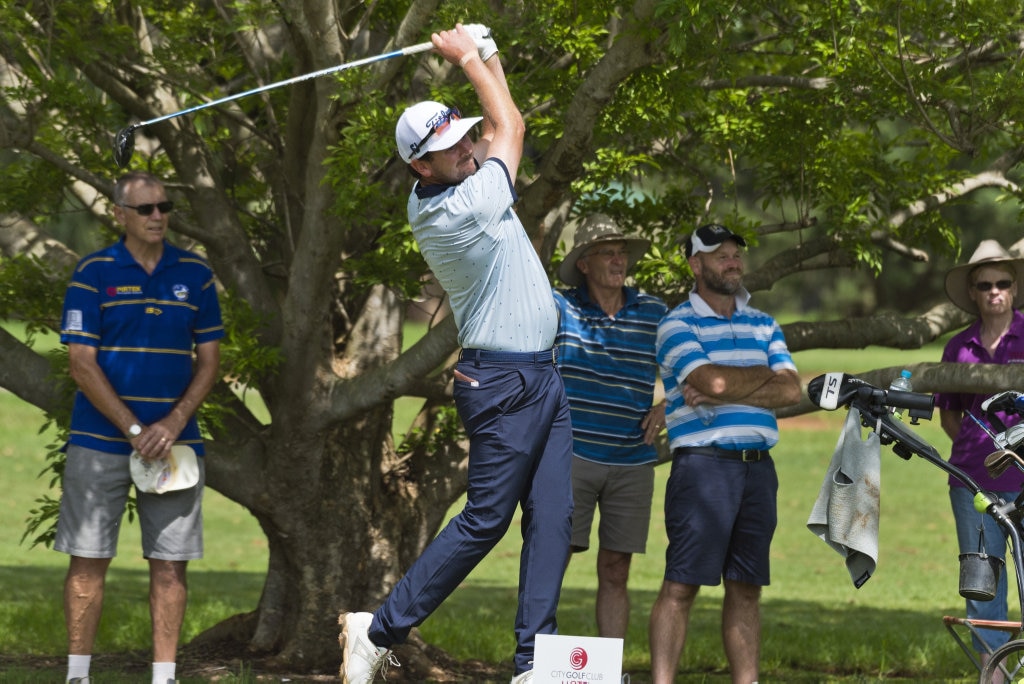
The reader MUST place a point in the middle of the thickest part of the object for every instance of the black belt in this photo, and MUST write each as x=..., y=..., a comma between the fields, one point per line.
x=546, y=357
x=746, y=455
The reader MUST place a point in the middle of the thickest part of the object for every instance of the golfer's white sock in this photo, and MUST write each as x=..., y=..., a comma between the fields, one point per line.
x=163, y=672
x=78, y=666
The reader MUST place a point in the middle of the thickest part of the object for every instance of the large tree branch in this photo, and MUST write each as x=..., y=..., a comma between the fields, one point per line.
x=28, y=374
x=542, y=205
x=880, y=330
x=18, y=235
x=994, y=176
x=351, y=397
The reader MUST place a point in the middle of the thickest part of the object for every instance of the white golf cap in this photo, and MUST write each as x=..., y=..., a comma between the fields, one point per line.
x=178, y=470
x=417, y=130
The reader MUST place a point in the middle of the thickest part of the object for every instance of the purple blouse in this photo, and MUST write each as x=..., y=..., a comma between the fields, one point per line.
x=972, y=445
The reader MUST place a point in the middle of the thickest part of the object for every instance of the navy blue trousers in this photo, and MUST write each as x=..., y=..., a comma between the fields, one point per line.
x=520, y=454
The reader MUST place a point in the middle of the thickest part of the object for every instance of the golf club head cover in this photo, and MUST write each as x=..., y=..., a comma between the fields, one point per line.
x=485, y=43
x=1008, y=402
x=832, y=390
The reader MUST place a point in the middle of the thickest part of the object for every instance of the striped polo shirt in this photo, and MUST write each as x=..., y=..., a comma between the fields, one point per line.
x=145, y=327
x=693, y=335
x=609, y=369
x=480, y=254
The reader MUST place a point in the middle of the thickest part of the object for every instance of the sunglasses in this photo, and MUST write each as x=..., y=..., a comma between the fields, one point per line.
x=146, y=209
x=439, y=128
x=985, y=285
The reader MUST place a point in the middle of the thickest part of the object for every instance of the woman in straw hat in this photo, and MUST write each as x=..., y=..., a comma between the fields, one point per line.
x=987, y=286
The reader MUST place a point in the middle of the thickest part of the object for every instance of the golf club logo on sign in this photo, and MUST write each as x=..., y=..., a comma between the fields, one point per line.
x=577, y=660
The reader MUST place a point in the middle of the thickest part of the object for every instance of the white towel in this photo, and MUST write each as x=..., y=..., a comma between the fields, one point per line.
x=845, y=515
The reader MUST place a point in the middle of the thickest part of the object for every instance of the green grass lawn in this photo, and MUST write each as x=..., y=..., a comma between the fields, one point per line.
x=816, y=625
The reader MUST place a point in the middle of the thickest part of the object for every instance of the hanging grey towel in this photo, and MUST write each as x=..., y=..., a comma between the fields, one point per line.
x=845, y=515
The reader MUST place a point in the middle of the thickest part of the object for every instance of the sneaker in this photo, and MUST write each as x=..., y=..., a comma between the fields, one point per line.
x=361, y=658
x=523, y=678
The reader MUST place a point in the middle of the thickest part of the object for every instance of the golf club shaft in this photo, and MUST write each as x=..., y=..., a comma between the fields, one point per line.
x=411, y=50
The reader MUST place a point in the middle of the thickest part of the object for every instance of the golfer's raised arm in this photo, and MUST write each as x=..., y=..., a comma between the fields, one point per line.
x=502, y=128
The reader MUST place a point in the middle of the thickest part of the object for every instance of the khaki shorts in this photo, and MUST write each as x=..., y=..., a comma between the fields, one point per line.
x=624, y=494
x=96, y=487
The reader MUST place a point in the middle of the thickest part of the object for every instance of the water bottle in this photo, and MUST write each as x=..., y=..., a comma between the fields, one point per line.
x=901, y=383
x=705, y=413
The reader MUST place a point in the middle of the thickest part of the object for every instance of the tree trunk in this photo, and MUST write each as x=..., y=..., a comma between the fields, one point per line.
x=344, y=518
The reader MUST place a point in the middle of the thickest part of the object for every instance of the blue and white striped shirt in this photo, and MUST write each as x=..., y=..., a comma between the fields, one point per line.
x=693, y=335
x=609, y=369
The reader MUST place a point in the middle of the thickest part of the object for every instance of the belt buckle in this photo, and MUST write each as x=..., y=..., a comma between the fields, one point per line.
x=750, y=455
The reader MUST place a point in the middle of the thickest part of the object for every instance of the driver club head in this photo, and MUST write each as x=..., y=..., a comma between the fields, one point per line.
x=124, y=145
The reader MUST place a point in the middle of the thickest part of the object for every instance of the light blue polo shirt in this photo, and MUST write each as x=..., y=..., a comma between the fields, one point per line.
x=693, y=335
x=480, y=254
x=145, y=327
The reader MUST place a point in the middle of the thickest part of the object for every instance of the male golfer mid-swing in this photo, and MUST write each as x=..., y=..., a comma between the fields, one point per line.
x=508, y=391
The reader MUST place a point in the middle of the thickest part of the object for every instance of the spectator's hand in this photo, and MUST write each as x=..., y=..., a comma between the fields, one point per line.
x=653, y=423
x=485, y=43
x=692, y=396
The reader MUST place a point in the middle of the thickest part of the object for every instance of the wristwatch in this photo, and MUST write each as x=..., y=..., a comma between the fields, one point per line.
x=134, y=430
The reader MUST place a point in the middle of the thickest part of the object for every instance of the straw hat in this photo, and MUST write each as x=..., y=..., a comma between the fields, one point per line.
x=988, y=253
x=594, y=230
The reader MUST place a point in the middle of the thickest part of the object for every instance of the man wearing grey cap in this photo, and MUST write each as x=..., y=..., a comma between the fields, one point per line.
x=720, y=501
x=508, y=391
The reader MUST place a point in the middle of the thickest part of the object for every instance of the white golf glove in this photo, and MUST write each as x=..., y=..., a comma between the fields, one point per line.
x=482, y=35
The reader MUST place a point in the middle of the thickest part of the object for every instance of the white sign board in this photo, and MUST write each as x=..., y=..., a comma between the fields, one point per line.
x=567, y=659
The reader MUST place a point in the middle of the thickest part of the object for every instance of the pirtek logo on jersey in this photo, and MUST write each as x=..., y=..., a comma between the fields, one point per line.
x=124, y=290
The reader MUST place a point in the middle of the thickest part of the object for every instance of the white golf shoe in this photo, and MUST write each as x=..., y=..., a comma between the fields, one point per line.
x=361, y=659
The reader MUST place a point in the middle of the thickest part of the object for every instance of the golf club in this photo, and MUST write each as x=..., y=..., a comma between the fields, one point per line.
x=124, y=141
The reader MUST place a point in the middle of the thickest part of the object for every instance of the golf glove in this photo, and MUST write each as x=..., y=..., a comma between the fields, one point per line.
x=482, y=35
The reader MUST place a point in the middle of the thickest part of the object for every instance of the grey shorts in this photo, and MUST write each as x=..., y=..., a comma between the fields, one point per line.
x=624, y=494
x=96, y=487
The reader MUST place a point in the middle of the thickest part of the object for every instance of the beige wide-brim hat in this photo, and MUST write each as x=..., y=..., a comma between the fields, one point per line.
x=594, y=230
x=988, y=253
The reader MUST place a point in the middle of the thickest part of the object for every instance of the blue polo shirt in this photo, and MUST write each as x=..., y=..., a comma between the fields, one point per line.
x=609, y=369
x=693, y=335
x=480, y=254
x=145, y=327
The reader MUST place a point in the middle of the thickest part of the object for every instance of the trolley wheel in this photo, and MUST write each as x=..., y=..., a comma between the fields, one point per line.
x=1007, y=659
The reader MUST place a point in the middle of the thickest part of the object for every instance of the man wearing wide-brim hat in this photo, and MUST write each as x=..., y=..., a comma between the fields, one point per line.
x=606, y=356
x=987, y=286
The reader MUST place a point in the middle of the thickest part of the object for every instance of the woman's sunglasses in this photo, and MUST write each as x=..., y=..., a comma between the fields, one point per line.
x=985, y=285
x=147, y=209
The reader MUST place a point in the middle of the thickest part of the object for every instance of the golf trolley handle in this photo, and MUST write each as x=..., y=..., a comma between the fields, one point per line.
x=832, y=390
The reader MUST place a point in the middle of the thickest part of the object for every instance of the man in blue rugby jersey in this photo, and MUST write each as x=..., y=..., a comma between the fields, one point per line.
x=142, y=325
x=720, y=501
x=605, y=343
